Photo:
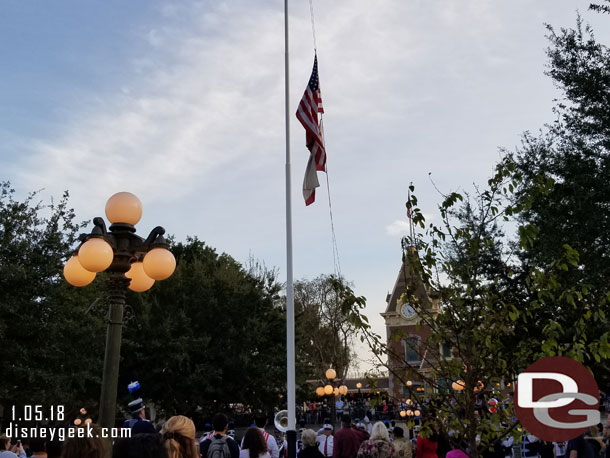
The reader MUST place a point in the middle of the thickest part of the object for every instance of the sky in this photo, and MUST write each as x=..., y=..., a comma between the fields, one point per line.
x=182, y=103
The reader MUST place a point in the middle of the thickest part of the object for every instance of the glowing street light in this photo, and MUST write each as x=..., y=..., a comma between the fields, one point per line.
x=131, y=262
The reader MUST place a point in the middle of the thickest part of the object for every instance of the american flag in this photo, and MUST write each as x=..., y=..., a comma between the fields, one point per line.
x=307, y=114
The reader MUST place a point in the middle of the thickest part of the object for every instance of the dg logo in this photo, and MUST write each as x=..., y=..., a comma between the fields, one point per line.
x=557, y=399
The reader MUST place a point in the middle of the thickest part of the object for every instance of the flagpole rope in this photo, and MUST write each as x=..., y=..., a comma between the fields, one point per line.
x=335, y=248
x=336, y=260
x=313, y=27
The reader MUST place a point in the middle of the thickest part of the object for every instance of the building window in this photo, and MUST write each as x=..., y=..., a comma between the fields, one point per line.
x=411, y=349
x=446, y=351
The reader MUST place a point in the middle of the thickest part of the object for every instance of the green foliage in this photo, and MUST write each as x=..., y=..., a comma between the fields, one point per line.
x=211, y=335
x=43, y=321
x=324, y=330
x=501, y=302
x=570, y=216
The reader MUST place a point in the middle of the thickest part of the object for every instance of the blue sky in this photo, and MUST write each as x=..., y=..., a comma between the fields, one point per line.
x=182, y=104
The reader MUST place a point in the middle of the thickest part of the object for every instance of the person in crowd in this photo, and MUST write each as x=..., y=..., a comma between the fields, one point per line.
x=577, y=447
x=606, y=439
x=456, y=449
x=138, y=413
x=254, y=444
x=143, y=427
x=219, y=438
x=361, y=430
x=339, y=406
x=178, y=434
x=53, y=448
x=378, y=445
x=546, y=449
x=89, y=447
x=261, y=421
x=279, y=440
x=325, y=441
x=8, y=451
x=402, y=446
x=444, y=443
x=594, y=442
x=140, y=446
x=347, y=440
x=560, y=449
x=426, y=446
x=37, y=447
x=310, y=446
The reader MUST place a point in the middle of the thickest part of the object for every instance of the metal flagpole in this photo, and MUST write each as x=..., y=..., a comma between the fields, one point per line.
x=291, y=434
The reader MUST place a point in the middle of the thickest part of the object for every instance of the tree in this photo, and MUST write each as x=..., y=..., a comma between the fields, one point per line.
x=501, y=302
x=477, y=299
x=210, y=336
x=324, y=333
x=599, y=7
x=42, y=320
x=572, y=155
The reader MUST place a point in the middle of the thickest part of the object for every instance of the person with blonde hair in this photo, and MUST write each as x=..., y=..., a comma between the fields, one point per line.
x=310, y=445
x=378, y=445
x=179, y=437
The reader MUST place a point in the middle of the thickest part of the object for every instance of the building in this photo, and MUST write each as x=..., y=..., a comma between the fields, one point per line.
x=410, y=361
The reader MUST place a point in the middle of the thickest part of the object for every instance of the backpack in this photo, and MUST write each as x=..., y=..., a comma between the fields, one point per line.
x=219, y=448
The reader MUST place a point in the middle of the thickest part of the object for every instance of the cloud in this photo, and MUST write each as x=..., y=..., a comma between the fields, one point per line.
x=194, y=104
x=398, y=227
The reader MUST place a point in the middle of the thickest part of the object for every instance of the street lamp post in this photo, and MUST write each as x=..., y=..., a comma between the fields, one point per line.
x=132, y=263
x=332, y=388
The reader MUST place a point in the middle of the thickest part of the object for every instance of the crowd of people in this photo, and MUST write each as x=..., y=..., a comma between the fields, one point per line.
x=177, y=438
x=314, y=412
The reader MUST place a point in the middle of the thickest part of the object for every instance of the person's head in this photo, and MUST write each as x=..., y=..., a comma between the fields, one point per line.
x=140, y=446
x=220, y=423
x=90, y=447
x=5, y=442
x=53, y=448
x=328, y=429
x=260, y=421
x=309, y=438
x=593, y=431
x=455, y=442
x=380, y=432
x=137, y=408
x=179, y=437
x=398, y=432
x=37, y=445
x=346, y=420
x=254, y=442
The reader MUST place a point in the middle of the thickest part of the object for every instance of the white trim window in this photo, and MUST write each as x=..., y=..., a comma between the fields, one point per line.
x=411, y=345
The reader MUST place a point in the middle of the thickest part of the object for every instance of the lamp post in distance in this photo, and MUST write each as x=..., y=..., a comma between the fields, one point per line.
x=332, y=388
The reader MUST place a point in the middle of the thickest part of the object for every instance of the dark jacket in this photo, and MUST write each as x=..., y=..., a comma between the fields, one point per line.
x=310, y=452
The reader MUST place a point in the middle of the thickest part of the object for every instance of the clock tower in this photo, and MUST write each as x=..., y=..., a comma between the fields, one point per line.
x=406, y=331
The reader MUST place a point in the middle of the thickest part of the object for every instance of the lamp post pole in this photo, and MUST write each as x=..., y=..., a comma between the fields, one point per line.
x=117, y=287
x=132, y=263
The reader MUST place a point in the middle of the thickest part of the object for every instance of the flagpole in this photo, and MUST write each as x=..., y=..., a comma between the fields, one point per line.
x=290, y=353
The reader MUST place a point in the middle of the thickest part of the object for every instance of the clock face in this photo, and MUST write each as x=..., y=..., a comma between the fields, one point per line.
x=407, y=311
